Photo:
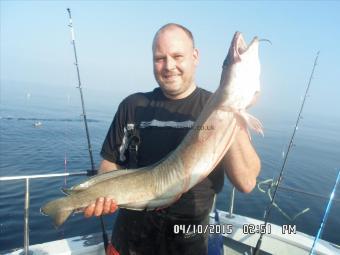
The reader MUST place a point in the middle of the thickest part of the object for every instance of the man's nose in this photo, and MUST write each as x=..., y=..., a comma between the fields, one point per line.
x=170, y=63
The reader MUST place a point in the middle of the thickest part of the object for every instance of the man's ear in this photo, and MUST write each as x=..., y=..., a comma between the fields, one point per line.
x=196, y=56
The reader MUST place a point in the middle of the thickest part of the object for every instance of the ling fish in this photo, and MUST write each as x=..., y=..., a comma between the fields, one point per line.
x=161, y=184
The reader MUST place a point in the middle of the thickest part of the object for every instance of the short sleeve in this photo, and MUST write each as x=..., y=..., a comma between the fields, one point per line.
x=115, y=136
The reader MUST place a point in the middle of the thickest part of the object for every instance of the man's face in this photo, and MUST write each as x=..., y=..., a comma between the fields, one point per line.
x=174, y=63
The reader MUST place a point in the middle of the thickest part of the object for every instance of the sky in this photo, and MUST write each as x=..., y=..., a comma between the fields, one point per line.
x=113, y=40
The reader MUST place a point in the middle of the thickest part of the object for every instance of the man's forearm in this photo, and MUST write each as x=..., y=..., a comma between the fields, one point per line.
x=107, y=166
x=241, y=163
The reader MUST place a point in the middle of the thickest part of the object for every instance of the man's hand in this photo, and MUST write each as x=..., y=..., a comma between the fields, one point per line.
x=102, y=206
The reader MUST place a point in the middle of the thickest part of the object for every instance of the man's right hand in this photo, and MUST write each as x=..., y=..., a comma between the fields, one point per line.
x=101, y=207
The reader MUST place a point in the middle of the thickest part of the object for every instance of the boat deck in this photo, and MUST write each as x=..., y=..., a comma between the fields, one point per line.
x=234, y=243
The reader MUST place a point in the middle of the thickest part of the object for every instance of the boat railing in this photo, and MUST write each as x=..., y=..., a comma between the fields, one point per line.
x=27, y=179
x=231, y=203
x=273, y=183
x=27, y=198
x=265, y=182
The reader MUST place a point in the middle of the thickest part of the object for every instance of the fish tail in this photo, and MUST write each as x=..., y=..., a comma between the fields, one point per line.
x=58, y=210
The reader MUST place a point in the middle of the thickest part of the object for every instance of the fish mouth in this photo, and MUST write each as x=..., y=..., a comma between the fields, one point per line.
x=240, y=46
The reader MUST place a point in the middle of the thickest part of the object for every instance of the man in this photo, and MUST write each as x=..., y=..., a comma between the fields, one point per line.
x=160, y=119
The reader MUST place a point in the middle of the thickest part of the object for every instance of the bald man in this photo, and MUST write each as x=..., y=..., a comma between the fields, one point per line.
x=148, y=126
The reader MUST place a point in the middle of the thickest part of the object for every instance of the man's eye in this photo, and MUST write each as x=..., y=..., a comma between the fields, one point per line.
x=159, y=59
x=178, y=57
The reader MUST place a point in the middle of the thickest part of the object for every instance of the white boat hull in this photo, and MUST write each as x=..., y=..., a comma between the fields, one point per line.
x=235, y=243
x=275, y=242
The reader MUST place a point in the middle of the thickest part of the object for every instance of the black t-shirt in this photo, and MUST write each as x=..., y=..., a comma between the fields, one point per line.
x=161, y=124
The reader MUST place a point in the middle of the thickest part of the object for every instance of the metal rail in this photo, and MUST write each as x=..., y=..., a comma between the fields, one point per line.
x=26, y=216
x=232, y=196
x=40, y=176
x=27, y=178
x=83, y=173
x=302, y=192
x=231, y=205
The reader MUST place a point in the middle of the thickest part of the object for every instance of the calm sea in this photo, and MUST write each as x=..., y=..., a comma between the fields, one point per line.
x=25, y=149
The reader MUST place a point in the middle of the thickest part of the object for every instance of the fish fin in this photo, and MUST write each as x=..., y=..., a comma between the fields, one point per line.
x=254, y=100
x=57, y=210
x=71, y=191
x=96, y=179
x=138, y=206
x=93, y=180
x=154, y=204
x=252, y=122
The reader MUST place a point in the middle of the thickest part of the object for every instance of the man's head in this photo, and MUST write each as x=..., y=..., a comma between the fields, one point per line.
x=174, y=60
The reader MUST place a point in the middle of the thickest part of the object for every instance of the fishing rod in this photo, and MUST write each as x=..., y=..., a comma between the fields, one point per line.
x=93, y=171
x=259, y=241
x=325, y=216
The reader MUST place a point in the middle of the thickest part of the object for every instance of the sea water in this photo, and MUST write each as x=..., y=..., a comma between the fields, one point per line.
x=26, y=149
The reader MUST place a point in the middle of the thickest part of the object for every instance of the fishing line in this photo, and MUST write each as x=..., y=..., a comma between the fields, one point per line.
x=93, y=170
x=259, y=241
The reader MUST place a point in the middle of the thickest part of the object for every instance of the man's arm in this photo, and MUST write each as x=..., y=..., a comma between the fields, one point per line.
x=241, y=163
x=102, y=205
x=107, y=166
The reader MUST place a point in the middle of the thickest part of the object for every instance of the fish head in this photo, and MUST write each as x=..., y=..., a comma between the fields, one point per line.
x=241, y=72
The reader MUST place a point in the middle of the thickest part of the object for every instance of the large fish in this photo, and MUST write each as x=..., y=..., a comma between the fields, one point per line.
x=161, y=184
